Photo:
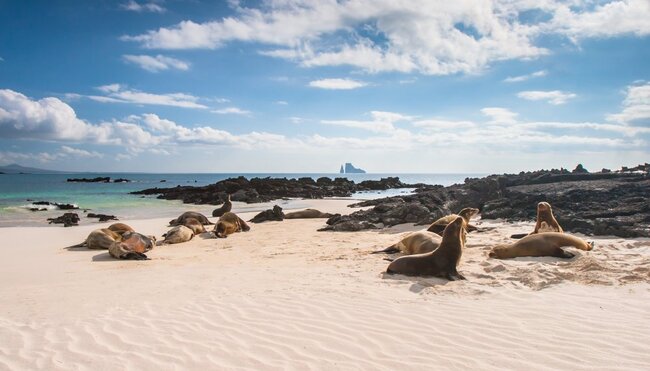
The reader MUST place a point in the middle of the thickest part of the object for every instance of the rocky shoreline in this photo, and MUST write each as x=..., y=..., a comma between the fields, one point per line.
x=599, y=203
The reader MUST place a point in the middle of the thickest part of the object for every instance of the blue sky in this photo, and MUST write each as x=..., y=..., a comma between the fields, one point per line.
x=303, y=86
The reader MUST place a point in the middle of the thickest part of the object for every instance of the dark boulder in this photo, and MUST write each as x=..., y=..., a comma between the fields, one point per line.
x=67, y=219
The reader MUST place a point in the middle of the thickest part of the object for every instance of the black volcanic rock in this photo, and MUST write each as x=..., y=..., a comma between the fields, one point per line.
x=121, y=180
x=605, y=203
x=90, y=180
x=67, y=219
x=102, y=217
x=58, y=205
x=258, y=190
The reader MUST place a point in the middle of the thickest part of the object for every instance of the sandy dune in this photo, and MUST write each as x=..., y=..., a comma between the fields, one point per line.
x=284, y=296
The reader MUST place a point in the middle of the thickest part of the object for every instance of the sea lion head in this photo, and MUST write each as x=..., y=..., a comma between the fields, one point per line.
x=220, y=230
x=543, y=206
x=454, y=229
x=468, y=212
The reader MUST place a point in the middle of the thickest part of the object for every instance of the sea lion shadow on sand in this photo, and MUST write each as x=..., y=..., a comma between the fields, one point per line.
x=577, y=254
x=103, y=257
x=417, y=283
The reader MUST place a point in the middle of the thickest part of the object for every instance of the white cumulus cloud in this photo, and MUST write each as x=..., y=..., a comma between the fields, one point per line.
x=555, y=97
x=337, y=84
x=151, y=6
x=529, y=76
x=156, y=63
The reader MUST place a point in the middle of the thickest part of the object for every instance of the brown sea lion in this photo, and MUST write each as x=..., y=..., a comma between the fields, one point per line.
x=467, y=213
x=419, y=242
x=441, y=262
x=178, y=234
x=541, y=244
x=132, y=247
x=190, y=214
x=100, y=239
x=195, y=225
x=227, y=206
x=229, y=223
x=120, y=228
x=545, y=222
x=307, y=214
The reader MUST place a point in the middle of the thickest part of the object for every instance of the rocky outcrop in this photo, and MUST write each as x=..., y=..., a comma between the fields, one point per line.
x=99, y=179
x=603, y=203
x=258, y=190
x=48, y=203
x=67, y=219
x=102, y=217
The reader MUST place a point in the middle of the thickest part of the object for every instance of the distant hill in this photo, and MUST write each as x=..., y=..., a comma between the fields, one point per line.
x=17, y=169
x=350, y=169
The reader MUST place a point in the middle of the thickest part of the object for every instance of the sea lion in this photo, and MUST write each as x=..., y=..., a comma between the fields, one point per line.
x=419, y=242
x=120, y=228
x=229, y=223
x=100, y=239
x=545, y=222
x=132, y=247
x=190, y=214
x=467, y=213
x=195, y=225
x=178, y=234
x=307, y=214
x=441, y=262
x=227, y=206
x=541, y=244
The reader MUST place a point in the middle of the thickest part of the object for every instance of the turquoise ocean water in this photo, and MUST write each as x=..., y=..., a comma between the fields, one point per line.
x=113, y=198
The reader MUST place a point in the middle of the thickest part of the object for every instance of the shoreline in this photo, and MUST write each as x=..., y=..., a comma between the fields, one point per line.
x=286, y=296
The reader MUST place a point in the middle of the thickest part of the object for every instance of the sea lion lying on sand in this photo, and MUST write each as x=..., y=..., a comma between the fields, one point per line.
x=132, y=247
x=441, y=262
x=190, y=214
x=541, y=244
x=195, y=225
x=100, y=239
x=178, y=234
x=545, y=222
x=227, y=206
x=120, y=228
x=307, y=214
x=229, y=223
x=467, y=213
x=419, y=242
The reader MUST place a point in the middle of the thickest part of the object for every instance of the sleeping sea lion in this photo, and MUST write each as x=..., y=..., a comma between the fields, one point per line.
x=541, y=244
x=227, y=206
x=307, y=214
x=545, y=222
x=132, y=247
x=100, y=239
x=190, y=214
x=178, y=234
x=195, y=225
x=467, y=213
x=419, y=242
x=441, y=262
x=120, y=228
x=229, y=223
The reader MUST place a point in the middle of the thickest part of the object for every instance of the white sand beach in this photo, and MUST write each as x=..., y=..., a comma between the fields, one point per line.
x=284, y=296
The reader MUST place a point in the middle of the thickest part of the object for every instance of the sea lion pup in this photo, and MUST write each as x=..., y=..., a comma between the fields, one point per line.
x=546, y=222
x=195, y=225
x=414, y=243
x=189, y=214
x=467, y=213
x=178, y=234
x=441, y=262
x=541, y=244
x=120, y=228
x=229, y=223
x=132, y=247
x=100, y=239
x=227, y=206
x=307, y=214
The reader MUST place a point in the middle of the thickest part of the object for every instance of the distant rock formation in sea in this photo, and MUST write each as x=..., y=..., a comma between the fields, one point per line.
x=350, y=169
x=18, y=169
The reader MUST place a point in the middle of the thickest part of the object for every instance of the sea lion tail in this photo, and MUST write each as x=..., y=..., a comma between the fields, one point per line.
x=389, y=250
x=519, y=235
x=82, y=244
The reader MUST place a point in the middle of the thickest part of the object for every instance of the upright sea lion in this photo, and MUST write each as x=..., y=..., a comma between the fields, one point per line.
x=120, y=228
x=419, y=242
x=100, y=239
x=132, y=247
x=190, y=214
x=441, y=262
x=178, y=234
x=227, y=206
x=307, y=214
x=195, y=225
x=229, y=223
x=541, y=244
x=545, y=222
x=467, y=213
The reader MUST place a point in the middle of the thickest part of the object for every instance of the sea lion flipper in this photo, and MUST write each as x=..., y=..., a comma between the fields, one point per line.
x=244, y=226
x=519, y=235
x=561, y=253
x=471, y=228
x=389, y=250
